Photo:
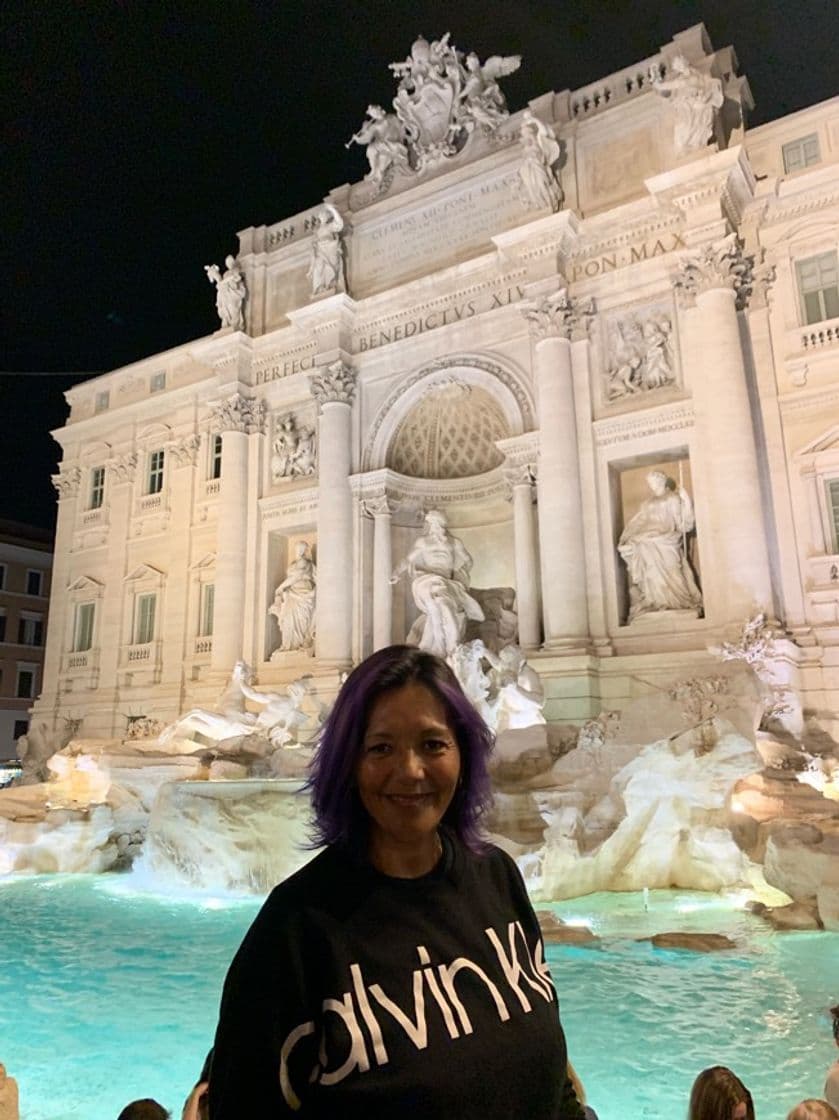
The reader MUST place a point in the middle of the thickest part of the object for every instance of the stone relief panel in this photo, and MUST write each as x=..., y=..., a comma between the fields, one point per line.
x=293, y=448
x=657, y=543
x=640, y=353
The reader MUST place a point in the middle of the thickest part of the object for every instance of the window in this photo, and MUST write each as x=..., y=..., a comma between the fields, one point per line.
x=157, y=382
x=2, y=576
x=215, y=458
x=21, y=727
x=208, y=594
x=97, y=487
x=34, y=582
x=83, y=629
x=2, y=625
x=101, y=401
x=799, y=154
x=832, y=488
x=155, y=476
x=144, y=619
x=30, y=630
x=818, y=283
x=25, y=681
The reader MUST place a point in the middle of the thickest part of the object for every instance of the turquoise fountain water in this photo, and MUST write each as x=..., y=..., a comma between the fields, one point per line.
x=108, y=994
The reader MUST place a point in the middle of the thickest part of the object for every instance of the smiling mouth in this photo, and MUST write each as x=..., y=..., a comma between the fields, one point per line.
x=409, y=800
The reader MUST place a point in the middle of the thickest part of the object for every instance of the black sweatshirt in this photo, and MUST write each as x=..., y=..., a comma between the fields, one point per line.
x=357, y=994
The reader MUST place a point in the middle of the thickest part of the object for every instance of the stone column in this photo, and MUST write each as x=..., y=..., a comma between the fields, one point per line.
x=235, y=419
x=381, y=511
x=333, y=387
x=67, y=484
x=176, y=643
x=564, y=605
x=521, y=478
x=112, y=638
x=718, y=279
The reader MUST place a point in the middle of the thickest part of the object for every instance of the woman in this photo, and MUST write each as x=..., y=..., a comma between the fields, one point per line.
x=813, y=1109
x=831, y=1085
x=718, y=1094
x=402, y=969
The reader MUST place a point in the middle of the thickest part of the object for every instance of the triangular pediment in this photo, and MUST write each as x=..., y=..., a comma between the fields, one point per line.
x=144, y=571
x=206, y=561
x=86, y=583
x=827, y=441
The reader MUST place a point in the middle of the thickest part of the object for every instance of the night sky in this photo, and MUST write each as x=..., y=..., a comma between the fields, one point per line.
x=139, y=137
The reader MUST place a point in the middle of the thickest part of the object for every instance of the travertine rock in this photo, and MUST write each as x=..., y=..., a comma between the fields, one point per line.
x=696, y=942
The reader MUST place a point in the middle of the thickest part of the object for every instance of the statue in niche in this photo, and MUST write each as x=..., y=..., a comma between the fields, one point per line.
x=230, y=293
x=294, y=601
x=642, y=357
x=384, y=137
x=538, y=185
x=438, y=567
x=292, y=450
x=653, y=545
x=326, y=267
x=516, y=697
x=695, y=97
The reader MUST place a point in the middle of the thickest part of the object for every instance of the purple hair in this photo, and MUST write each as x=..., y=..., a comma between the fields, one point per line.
x=339, y=815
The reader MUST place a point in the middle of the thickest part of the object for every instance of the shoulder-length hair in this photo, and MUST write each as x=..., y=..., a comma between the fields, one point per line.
x=716, y=1093
x=340, y=817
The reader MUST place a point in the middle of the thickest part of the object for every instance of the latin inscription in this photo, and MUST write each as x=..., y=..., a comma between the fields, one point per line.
x=622, y=258
x=285, y=369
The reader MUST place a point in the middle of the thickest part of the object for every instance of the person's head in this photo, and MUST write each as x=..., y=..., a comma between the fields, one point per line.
x=657, y=481
x=436, y=522
x=834, y=1014
x=145, y=1109
x=718, y=1094
x=813, y=1110
x=395, y=687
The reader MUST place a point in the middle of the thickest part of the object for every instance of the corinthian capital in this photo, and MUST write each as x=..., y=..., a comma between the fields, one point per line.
x=67, y=482
x=238, y=414
x=335, y=382
x=558, y=316
x=723, y=264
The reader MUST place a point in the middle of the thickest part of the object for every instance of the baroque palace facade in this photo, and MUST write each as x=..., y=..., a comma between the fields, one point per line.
x=600, y=335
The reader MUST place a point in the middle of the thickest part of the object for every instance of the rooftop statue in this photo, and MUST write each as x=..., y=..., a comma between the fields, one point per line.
x=326, y=267
x=442, y=97
x=539, y=187
x=230, y=293
x=653, y=547
x=438, y=566
x=695, y=97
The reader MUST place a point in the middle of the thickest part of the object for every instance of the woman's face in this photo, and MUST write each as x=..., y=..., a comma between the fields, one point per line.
x=408, y=768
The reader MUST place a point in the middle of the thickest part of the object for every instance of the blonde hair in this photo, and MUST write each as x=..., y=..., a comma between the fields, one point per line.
x=574, y=1078
x=813, y=1109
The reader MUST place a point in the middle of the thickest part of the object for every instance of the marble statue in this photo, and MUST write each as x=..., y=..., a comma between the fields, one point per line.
x=438, y=567
x=467, y=662
x=383, y=136
x=642, y=357
x=232, y=718
x=653, y=547
x=292, y=450
x=230, y=293
x=442, y=97
x=695, y=97
x=538, y=185
x=277, y=721
x=481, y=98
x=294, y=601
x=326, y=267
x=516, y=694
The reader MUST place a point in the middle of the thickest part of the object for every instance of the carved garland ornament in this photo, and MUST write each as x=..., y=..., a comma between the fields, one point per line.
x=123, y=467
x=185, y=451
